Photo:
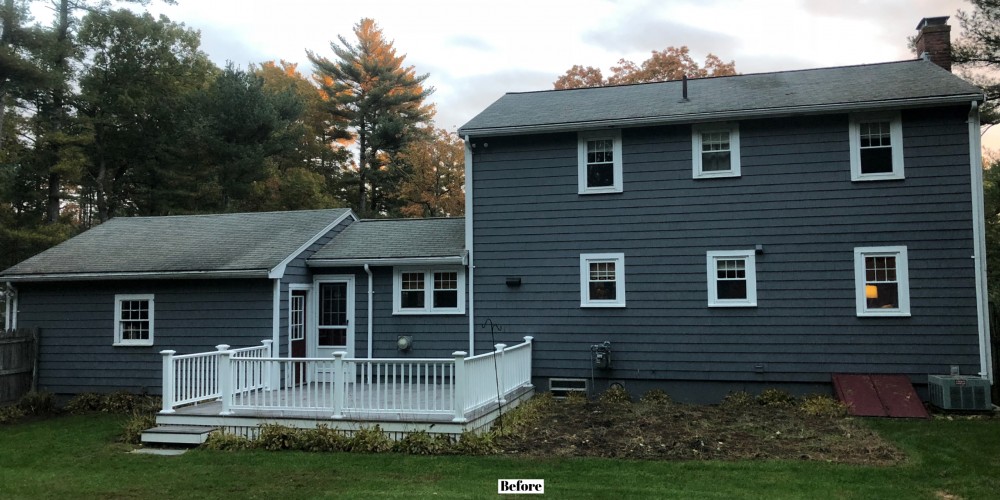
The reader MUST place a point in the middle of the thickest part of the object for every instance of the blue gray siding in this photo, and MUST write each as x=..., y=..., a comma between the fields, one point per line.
x=795, y=197
x=298, y=272
x=434, y=335
x=77, y=328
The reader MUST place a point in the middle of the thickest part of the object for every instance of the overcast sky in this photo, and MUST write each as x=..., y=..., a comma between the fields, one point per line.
x=476, y=51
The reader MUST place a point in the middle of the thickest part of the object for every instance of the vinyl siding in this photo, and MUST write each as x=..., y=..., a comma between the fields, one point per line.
x=298, y=272
x=434, y=335
x=76, y=321
x=795, y=197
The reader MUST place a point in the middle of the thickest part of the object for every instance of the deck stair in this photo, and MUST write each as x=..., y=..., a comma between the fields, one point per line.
x=177, y=434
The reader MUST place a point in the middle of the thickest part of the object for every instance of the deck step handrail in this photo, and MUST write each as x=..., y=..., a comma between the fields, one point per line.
x=254, y=378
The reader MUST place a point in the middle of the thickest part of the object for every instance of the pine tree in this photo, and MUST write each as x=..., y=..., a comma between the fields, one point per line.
x=979, y=49
x=376, y=102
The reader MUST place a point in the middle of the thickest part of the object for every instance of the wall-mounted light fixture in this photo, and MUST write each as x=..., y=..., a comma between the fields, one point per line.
x=513, y=281
x=404, y=343
x=759, y=250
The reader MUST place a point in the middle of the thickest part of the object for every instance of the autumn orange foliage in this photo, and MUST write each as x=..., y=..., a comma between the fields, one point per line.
x=672, y=63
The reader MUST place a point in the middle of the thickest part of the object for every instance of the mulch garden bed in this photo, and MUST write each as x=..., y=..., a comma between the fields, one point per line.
x=742, y=427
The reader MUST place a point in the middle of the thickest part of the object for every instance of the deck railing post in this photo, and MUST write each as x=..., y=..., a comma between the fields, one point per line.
x=501, y=368
x=269, y=383
x=226, y=381
x=459, y=385
x=531, y=345
x=168, y=381
x=339, y=384
x=222, y=347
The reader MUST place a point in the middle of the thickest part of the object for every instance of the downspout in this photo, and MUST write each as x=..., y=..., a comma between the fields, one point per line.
x=10, y=319
x=371, y=295
x=468, y=245
x=979, y=240
x=276, y=316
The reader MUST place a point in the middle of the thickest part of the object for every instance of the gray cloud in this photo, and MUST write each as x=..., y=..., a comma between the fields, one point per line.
x=896, y=19
x=471, y=42
x=636, y=29
x=471, y=95
x=647, y=35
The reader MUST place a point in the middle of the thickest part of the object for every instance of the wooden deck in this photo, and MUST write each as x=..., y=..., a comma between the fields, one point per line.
x=234, y=389
x=248, y=421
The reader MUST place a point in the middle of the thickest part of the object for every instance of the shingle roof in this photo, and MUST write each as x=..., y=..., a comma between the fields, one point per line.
x=842, y=88
x=243, y=243
x=388, y=239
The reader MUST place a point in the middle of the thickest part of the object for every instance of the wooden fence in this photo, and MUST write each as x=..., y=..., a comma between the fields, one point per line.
x=18, y=363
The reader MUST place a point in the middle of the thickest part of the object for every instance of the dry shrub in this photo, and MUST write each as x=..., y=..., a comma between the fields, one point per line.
x=818, y=405
x=616, y=395
x=775, y=397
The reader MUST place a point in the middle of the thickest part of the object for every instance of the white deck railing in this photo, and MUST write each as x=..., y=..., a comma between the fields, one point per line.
x=195, y=377
x=243, y=379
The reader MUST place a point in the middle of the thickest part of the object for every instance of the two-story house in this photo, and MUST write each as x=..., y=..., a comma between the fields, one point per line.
x=739, y=232
x=697, y=236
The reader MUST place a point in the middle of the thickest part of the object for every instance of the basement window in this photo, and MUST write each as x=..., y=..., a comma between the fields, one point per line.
x=563, y=387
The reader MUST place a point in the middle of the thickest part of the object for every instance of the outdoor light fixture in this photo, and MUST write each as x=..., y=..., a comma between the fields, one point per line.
x=513, y=281
x=404, y=343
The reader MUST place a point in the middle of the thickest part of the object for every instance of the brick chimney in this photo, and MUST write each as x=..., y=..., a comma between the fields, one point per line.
x=934, y=41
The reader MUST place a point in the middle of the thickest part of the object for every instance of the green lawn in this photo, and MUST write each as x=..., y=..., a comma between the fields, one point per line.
x=76, y=457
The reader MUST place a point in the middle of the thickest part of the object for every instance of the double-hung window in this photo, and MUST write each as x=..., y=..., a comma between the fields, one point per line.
x=429, y=291
x=876, y=142
x=600, y=162
x=133, y=320
x=882, y=281
x=732, y=278
x=715, y=150
x=602, y=280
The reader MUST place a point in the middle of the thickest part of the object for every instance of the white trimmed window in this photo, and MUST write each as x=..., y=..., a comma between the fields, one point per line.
x=428, y=291
x=882, y=281
x=133, y=320
x=602, y=280
x=715, y=150
x=876, y=142
x=297, y=316
x=600, y=162
x=732, y=278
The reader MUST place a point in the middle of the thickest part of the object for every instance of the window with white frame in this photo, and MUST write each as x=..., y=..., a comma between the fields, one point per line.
x=732, y=278
x=876, y=142
x=297, y=316
x=600, y=162
x=602, y=280
x=882, y=281
x=715, y=150
x=429, y=291
x=133, y=320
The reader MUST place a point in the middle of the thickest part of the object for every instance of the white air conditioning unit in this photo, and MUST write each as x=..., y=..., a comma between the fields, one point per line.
x=956, y=392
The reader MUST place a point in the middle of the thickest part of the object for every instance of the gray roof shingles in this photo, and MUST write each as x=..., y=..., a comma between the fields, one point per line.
x=714, y=98
x=237, y=242
x=396, y=239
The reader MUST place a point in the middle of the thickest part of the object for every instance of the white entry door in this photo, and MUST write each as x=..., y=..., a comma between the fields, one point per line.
x=334, y=311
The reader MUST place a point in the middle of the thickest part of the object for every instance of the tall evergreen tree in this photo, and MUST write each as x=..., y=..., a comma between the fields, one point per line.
x=979, y=49
x=136, y=75
x=376, y=102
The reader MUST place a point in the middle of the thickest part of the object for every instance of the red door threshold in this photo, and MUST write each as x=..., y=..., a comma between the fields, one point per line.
x=879, y=395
